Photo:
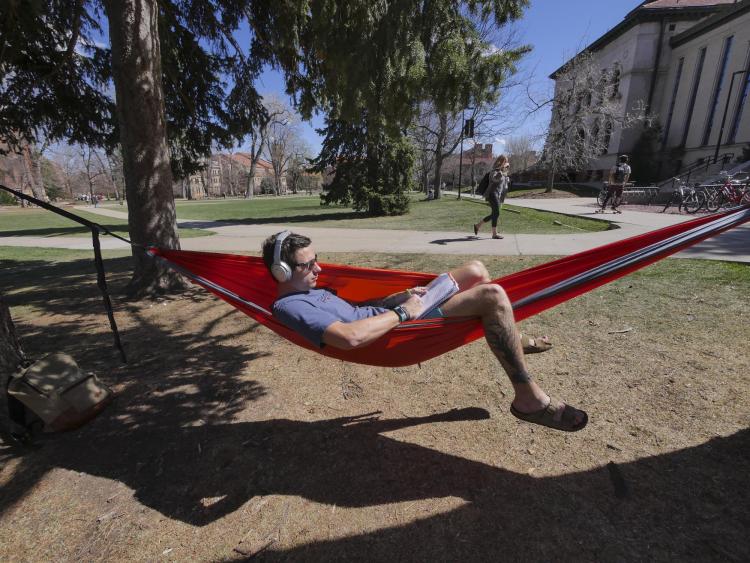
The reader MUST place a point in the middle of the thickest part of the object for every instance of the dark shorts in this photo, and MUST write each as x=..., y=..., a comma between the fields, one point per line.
x=435, y=313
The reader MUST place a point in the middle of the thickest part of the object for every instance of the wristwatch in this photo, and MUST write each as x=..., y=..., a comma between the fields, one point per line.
x=403, y=316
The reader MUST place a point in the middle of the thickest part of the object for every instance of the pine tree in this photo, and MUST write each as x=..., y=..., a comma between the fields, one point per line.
x=183, y=83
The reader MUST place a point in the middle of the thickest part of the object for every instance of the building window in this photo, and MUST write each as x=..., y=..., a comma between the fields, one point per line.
x=596, y=132
x=615, y=82
x=672, y=103
x=740, y=103
x=693, y=94
x=607, y=137
x=717, y=90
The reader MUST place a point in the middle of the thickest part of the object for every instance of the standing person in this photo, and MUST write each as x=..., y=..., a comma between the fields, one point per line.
x=494, y=187
x=619, y=175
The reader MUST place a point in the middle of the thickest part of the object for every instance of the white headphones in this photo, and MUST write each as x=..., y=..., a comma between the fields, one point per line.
x=280, y=269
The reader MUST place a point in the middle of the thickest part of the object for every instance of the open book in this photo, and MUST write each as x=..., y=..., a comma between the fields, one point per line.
x=438, y=292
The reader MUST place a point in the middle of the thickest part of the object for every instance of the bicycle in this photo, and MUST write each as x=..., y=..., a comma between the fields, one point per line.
x=604, y=192
x=685, y=197
x=730, y=193
x=694, y=204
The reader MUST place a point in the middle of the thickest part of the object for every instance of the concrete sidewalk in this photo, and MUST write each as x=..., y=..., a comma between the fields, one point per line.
x=733, y=245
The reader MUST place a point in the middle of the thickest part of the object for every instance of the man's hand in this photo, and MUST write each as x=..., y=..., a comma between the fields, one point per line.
x=414, y=306
x=419, y=290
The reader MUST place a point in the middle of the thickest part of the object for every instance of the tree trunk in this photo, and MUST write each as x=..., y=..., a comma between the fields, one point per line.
x=11, y=354
x=11, y=357
x=250, y=182
x=550, y=179
x=136, y=66
x=439, y=144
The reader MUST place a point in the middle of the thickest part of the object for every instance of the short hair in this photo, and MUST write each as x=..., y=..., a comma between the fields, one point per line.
x=289, y=247
x=623, y=158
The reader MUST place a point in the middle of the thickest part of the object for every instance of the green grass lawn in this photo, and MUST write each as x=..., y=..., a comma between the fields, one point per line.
x=446, y=214
x=16, y=221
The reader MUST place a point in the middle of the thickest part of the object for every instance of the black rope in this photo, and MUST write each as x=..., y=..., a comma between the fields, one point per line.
x=95, y=229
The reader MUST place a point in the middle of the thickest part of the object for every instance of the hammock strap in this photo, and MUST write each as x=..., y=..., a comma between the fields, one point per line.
x=660, y=248
x=101, y=280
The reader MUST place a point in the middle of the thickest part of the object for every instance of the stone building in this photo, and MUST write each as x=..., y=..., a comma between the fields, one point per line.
x=476, y=161
x=226, y=175
x=687, y=61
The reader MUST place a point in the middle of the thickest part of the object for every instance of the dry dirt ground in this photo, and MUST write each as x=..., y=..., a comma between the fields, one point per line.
x=227, y=442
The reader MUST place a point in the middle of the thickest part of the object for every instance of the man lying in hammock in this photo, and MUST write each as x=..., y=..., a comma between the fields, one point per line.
x=327, y=320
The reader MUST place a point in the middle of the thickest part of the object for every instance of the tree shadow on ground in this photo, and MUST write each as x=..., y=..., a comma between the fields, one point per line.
x=687, y=505
x=169, y=437
x=175, y=377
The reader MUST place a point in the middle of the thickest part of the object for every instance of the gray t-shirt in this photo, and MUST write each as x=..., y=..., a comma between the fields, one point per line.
x=311, y=312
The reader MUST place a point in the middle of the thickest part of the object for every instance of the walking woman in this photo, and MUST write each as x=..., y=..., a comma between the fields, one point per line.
x=496, y=181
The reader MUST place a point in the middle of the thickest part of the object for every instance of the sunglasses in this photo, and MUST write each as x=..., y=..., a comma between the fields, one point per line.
x=307, y=266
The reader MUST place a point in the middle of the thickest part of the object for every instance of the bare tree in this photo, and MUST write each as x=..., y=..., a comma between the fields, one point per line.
x=422, y=139
x=20, y=166
x=112, y=164
x=92, y=167
x=521, y=152
x=586, y=109
x=437, y=137
x=66, y=158
x=284, y=140
x=277, y=113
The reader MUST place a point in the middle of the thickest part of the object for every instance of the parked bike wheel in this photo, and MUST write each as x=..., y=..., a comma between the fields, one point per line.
x=715, y=200
x=693, y=202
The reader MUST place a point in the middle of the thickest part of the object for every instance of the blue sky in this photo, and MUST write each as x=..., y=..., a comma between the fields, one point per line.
x=556, y=29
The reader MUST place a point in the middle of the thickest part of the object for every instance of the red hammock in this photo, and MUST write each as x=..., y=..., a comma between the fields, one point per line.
x=245, y=283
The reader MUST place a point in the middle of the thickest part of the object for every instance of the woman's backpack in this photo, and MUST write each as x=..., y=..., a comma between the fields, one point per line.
x=483, y=185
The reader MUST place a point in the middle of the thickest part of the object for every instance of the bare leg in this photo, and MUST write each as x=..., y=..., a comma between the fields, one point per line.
x=490, y=303
x=475, y=273
x=470, y=275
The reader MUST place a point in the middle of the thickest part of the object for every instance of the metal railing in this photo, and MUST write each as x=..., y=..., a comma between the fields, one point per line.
x=683, y=175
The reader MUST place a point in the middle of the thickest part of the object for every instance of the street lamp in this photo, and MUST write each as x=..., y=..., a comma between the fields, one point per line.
x=726, y=109
x=467, y=129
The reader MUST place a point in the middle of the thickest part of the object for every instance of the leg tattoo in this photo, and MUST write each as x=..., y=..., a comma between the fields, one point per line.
x=505, y=343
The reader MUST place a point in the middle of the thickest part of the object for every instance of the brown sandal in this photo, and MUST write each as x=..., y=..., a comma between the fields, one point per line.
x=546, y=416
x=534, y=344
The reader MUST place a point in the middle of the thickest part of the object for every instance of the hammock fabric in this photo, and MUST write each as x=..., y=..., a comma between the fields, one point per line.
x=245, y=283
